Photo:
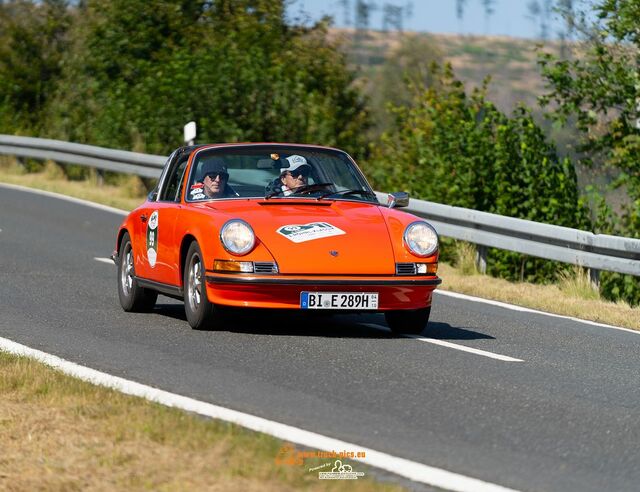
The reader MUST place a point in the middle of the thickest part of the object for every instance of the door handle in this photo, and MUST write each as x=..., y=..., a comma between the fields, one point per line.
x=143, y=218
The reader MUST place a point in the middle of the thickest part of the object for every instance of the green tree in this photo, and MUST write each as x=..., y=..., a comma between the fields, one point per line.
x=141, y=69
x=599, y=91
x=32, y=43
x=458, y=149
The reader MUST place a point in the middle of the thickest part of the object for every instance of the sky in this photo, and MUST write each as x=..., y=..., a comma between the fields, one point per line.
x=439, y=16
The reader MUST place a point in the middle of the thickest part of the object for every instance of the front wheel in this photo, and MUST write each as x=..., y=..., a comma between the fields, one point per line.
x=408, y=322
x=133, y=298
x=201, y=314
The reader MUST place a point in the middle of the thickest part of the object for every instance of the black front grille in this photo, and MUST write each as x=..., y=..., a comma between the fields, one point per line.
x=265, y=267
x=405, y=268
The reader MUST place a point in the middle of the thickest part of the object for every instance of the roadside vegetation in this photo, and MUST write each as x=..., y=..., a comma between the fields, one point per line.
x=59, y=433
x=123, y=192
x=573, y=295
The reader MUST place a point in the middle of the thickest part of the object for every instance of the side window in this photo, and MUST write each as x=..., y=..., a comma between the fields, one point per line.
x=153, y=194
x=171, y=191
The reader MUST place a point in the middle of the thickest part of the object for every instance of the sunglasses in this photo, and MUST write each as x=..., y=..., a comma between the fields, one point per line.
x=214, y=175
x=304, y=173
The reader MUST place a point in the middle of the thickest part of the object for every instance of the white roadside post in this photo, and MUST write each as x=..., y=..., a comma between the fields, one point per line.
x=190, y=133
x=481, y=258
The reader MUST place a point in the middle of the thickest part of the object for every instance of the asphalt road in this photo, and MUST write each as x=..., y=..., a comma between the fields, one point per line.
x=564, y=418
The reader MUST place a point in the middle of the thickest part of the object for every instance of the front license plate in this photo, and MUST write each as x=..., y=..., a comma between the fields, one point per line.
x=339, y=300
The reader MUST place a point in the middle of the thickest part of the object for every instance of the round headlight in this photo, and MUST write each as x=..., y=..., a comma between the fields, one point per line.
x=421, y=239
x=237, y=237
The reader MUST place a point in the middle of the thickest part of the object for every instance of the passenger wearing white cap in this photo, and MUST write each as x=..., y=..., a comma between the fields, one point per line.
x=295, y=175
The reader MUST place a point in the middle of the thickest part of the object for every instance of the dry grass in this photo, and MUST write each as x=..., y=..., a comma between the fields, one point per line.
x=578, y=284
x=560, y=299
x=126, y=195
x=59, y=433
x=465, y=258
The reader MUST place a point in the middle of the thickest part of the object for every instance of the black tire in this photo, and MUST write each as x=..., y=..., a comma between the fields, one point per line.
x=133, y=298
x=201, y=314
x=408, y=322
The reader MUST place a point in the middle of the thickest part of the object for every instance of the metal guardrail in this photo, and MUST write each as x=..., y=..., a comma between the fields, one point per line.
x=593, y=251
x=122, y=161
x=588, y=250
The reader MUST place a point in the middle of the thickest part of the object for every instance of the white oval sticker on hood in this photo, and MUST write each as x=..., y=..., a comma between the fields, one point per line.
x=299, y=233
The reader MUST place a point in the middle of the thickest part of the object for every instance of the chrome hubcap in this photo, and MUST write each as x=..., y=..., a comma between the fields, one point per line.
x=126, y=275
x=195, y=283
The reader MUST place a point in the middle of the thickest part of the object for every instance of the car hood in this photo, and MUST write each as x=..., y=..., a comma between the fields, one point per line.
x=319, y=237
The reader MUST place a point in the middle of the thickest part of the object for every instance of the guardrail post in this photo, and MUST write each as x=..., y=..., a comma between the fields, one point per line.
x=481, y=258
x=100, y=177
x=594, y=278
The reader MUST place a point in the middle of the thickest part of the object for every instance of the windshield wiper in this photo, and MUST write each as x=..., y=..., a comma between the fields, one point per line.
x=364, y=193
x=274, y=193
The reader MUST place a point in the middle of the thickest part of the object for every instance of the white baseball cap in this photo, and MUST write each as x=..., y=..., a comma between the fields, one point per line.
x=295, y=161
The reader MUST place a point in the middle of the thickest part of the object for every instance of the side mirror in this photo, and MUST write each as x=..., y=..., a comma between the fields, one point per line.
x=152, y=196
x=398, y=199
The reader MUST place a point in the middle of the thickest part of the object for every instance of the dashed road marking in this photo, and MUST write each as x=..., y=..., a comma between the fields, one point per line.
x=104, y=260
x=455, y=346
x=464, y=348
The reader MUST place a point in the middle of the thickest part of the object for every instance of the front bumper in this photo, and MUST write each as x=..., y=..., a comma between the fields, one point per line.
x=283, y=292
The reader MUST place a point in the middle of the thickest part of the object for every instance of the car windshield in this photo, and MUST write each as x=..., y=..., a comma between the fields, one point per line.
x=276, y=172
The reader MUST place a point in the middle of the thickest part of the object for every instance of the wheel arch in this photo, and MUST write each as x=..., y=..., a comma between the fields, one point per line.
x=121, y=234
x=184, y=248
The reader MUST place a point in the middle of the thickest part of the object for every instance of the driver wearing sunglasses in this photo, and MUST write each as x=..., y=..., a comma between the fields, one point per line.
x=295, y=175
x=213, y=182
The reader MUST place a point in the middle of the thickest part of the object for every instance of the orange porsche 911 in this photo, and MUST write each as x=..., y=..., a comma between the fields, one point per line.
x=278, y=226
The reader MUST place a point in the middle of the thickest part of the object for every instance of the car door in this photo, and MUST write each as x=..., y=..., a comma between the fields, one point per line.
x=159, y=247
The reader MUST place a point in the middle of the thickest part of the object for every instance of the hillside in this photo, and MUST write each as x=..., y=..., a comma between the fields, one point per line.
x=511, y=62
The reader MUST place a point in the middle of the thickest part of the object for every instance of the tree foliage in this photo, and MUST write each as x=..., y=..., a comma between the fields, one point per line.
x=133, y=72
x=458, y=149
x=600, y=92
x=32, y=44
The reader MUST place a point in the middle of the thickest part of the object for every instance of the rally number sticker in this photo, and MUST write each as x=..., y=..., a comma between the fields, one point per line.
x=197, y=192
x=152, y=239
x=308, y=232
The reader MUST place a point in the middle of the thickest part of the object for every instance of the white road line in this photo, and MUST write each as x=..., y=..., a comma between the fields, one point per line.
x=66, y=198
x=513, y=307
x=104, y=260
x=412, y=470
x=464, y=348
x=455, y=346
